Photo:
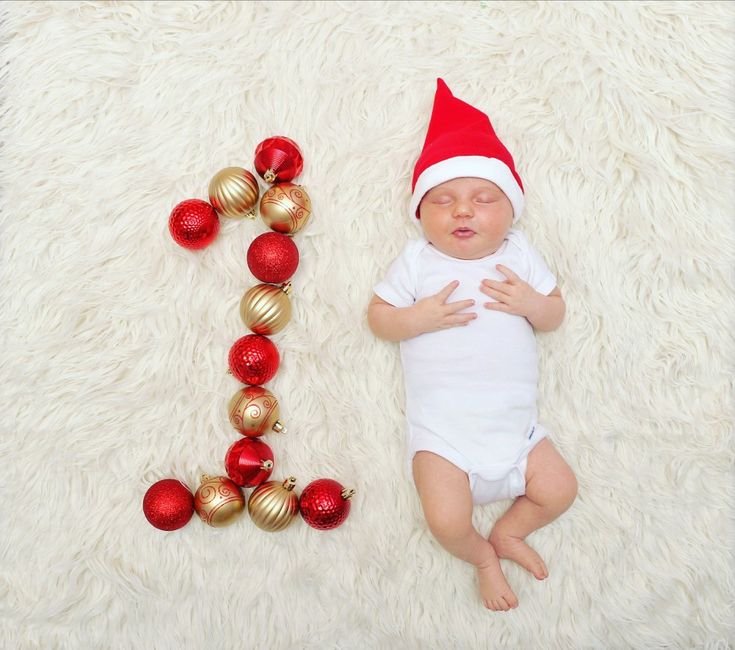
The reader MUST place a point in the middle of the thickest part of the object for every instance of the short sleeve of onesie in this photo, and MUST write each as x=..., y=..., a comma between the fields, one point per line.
x=399, y=284
x=539, y=276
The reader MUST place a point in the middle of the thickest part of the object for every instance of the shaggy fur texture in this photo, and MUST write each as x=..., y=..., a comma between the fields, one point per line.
x=115, y=340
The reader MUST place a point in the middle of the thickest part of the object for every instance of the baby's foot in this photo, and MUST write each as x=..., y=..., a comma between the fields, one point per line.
x=494, y=588
x=515, y=549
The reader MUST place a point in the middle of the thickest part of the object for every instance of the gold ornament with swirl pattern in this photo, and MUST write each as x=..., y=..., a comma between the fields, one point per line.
x=273, y=504
x=265, y=308
x=233, y=193
x=218, y=501
x=254, y=411
x=285, y=208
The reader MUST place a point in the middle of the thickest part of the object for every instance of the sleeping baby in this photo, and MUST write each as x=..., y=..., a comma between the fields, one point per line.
x=465, y=300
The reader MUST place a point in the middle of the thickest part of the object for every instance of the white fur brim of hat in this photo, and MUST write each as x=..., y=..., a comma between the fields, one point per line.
x=491, y=169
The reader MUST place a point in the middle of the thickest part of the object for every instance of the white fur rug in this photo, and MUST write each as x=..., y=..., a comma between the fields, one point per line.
x=114, y=340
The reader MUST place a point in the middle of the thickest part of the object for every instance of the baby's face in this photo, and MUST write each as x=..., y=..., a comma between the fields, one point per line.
x=466, y=217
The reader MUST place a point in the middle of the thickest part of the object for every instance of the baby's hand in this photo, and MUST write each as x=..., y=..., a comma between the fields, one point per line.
x=433, y=314
x=514, y=295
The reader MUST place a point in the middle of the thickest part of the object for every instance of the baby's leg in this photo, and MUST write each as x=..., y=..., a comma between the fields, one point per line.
x=444, y=491
x=551, y=487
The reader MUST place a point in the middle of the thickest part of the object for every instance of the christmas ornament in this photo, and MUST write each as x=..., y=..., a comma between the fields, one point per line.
x=193, y=224
x=278, y=159
x=253, y=411
x=233, y=192
x=254, y=359
x=273, y=505
x=285, y=208
x=249, y=462
x=265, y=308
x=325, y=504
x=273, y=257
x=168, y=504
x=218, y=501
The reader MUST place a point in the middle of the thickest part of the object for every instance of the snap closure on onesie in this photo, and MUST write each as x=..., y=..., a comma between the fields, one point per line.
x=486, y=489
x=499, y=482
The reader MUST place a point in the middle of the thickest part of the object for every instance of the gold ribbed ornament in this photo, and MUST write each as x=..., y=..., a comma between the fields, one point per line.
x=266, y=308
x=273, y=504
x=218, y=501
x=285, y=208
x=253, y=411
x=233, y=193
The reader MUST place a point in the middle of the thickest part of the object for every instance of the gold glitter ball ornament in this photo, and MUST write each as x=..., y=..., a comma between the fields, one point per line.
x=234, y=192
x=266, y=308
x=273, y=504
x=254, y=411
x=285, y=208
x=218, y=501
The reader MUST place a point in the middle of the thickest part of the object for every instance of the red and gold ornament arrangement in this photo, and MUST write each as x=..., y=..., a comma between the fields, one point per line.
x=265, y=309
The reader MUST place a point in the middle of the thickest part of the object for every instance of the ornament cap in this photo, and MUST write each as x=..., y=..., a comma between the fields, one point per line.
x=269, y=176
x=289, y=483
x=348, y=493
x=279, y=428
x=286, y=288
x=267, y=464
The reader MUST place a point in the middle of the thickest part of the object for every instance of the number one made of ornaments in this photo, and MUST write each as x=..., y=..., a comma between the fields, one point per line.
x=265, y=309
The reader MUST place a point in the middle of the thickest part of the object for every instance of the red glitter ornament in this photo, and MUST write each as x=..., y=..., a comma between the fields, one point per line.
x=168, y=504
x=193, y=224
x=249, y=462
x=325, y=504
x=254, y=359
x=278, y=159
x=273, y=257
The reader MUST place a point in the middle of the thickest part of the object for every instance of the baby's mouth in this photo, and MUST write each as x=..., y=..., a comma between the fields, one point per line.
x=463, y=233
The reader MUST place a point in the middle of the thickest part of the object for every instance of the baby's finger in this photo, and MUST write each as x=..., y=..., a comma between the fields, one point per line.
x=460, y=304
x=461, y=319
x=497, y=293
x=446, y=291
x=494, y=285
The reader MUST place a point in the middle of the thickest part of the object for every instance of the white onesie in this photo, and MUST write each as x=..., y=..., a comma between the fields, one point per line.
x=471, y=391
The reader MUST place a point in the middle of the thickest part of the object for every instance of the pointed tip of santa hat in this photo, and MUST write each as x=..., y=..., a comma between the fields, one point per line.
x=460, y=141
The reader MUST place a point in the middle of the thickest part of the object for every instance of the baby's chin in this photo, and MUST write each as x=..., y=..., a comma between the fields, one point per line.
x=464, y=248
x=462, y=252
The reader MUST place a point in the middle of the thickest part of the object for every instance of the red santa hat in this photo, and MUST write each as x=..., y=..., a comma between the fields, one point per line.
x=461, y=142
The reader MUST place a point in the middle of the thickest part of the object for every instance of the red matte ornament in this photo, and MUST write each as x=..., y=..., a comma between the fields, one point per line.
x=168, y=504
x=273, y=257
x=278, y=159
x=254, y=359
x=193, y=224
x=325, y=503
x=249, y=462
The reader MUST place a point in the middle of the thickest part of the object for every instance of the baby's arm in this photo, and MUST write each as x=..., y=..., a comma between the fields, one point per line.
x=548, y=312
x=427, y=315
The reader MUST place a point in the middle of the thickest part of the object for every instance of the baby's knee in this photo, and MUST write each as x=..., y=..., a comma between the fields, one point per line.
x=567, y=490
x=447, y=525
